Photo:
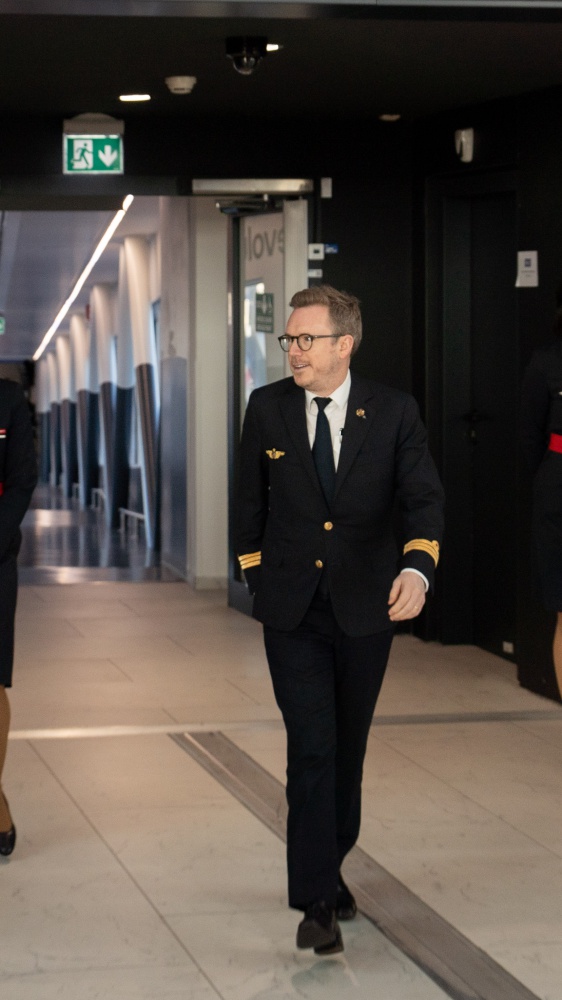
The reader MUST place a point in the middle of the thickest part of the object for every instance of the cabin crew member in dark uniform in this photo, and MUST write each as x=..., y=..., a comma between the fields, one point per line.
x=324, y=456
x=18, y=476
x=541, y=428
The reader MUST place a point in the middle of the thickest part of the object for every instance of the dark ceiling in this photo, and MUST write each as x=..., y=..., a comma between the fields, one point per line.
x=357, y=66
x=330, y=67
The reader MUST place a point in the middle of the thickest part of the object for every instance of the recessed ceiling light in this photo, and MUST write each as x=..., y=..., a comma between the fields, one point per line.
x=273, y=47
x=390, y=118
x=134, y=97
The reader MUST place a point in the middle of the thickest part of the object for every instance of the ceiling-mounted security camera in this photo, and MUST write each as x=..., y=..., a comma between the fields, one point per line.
x=246, y=52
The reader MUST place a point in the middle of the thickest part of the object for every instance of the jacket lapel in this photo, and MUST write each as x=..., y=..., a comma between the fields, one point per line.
x=361, y=409
x=293, y=411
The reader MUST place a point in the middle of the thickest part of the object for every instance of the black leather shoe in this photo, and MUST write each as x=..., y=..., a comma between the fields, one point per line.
x=318, y=928
x=346, y=907
x=7, y=841
x=333, y=948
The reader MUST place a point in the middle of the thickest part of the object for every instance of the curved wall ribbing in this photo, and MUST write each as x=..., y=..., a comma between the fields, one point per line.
x=124, y=397
x=137, y=263
x=87, y=419
x=69, y=457
x=102, y=311
x=55, y=464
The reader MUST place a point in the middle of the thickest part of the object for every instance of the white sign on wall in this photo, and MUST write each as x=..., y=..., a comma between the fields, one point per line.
x=527, y=269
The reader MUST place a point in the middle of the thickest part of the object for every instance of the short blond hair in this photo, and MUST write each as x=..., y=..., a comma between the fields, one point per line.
x=343, y=309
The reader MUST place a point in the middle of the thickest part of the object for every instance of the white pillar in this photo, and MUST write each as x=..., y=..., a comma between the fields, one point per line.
x=207, y=398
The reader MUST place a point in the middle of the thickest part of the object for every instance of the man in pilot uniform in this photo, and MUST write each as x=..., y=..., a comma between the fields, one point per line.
x=326, y=456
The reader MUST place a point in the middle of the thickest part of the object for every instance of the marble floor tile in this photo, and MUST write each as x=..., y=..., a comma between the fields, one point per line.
x=549, y=732
x=200, y=859
x=523, y=772
x=113, y=773
x=535, y=962
x=66, y=898
x=81, y=671
x=70, y=609
x=252, y=956
x=40, y=630
x=192, y=604
x=132, y=625
x=131, y=983
x=466, y=682
x=73, y=647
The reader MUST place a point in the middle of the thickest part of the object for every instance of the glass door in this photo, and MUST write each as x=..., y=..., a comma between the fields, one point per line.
x=268, y=263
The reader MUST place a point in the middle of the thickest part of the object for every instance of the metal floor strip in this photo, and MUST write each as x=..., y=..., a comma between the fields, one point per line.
x=460, y=968
x=446, y=718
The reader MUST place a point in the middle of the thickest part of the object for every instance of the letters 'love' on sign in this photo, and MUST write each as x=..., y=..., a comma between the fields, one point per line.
x=92, y=154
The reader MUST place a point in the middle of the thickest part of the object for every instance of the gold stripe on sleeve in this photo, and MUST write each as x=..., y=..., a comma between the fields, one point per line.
x=253, y=559
x=424, y=545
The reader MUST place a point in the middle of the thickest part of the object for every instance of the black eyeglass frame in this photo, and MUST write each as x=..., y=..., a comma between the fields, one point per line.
x=287, y=340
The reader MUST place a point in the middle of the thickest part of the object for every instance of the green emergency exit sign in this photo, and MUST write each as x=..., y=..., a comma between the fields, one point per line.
x=92, y=154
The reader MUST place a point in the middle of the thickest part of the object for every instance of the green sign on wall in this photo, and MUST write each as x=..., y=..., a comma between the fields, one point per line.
x=264, y=312
x=92, y=154
x=2, y=325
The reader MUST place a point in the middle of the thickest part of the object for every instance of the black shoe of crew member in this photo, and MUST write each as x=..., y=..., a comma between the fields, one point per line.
x=319, y=929
x=346, y=907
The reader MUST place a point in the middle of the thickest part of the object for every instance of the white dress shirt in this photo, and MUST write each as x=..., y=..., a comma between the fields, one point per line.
x=336, y=412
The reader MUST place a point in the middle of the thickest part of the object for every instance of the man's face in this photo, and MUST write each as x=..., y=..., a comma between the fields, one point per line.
x=324, y=367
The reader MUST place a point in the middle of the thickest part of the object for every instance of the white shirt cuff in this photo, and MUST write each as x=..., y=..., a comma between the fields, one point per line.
x=408, y=569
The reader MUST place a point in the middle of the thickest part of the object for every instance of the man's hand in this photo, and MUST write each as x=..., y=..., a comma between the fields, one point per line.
x=407, y=597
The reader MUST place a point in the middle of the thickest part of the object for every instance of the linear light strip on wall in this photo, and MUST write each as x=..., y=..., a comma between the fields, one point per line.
x=87, y=270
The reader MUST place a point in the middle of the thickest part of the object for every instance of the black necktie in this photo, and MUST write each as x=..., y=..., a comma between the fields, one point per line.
x=323, y=451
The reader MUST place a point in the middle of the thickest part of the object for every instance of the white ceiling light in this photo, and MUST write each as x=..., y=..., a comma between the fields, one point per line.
x=180, y=84
x=87, y=270
x=134, y=98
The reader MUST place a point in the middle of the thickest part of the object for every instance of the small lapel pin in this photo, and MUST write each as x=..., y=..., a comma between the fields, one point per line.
x=273, y=453
x=360, y=413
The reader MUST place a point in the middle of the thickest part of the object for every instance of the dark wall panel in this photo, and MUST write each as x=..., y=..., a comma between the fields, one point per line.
x=522, y=134
x=370, y=219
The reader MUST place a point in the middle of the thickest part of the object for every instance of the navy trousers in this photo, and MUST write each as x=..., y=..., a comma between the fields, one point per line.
x=326, y=684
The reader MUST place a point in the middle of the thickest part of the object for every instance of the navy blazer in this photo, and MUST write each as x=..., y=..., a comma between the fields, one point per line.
x=287, y=536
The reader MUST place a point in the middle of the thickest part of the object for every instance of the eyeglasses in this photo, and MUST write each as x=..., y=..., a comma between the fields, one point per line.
x=304, y=340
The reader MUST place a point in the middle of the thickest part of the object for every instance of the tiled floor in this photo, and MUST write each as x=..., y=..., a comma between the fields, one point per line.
x=138, y=876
